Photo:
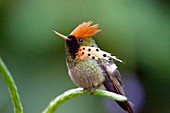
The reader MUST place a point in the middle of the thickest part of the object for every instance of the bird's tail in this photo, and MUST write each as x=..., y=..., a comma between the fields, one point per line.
x=110, y=86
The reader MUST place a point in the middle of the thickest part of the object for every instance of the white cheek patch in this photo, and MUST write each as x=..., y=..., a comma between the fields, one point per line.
x=95, y=53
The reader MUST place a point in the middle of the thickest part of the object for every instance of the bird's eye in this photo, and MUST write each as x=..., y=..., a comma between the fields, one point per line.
x=80, y=40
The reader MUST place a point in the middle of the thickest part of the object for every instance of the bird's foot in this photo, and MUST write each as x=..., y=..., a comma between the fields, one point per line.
x=91, y=90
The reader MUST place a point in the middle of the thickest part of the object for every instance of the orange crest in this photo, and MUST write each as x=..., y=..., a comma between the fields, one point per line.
x=85, y=30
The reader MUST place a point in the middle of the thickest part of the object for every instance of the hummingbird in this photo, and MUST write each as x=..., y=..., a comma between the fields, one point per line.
x=90, y=67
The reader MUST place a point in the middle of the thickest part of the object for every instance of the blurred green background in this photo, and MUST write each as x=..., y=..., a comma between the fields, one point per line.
x=137, y=31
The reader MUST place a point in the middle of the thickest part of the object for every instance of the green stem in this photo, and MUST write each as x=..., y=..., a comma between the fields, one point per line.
x=11, y=87
x=77, y=92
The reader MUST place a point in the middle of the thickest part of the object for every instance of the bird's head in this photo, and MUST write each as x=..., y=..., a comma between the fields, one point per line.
x=80, y=36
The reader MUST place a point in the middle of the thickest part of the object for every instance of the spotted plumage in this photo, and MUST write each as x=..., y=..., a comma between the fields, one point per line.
x=89, y=51
x=89, y=66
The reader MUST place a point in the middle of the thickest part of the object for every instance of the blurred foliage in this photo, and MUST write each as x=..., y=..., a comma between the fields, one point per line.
x=137, y=31
x=15, y=99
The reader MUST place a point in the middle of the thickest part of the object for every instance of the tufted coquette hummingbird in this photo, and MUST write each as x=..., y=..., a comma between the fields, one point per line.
x=90, y=67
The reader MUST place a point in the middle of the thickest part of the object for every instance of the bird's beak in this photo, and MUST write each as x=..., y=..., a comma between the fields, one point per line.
x=60, y=35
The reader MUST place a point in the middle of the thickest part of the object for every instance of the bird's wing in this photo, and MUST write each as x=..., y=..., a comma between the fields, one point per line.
x=113, y=82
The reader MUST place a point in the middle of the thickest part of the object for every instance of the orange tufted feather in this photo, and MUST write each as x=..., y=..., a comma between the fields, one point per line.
x=85, y=30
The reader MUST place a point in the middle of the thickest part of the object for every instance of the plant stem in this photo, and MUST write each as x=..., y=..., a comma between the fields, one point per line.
x=11, y=87
x=77, y=92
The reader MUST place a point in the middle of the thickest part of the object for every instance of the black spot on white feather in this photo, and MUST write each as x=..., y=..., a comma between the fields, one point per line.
x=110, y=59
x=104, y=55
x=83, y=53
x=89, y=49
x=83, y=48
x=93, y=57
x=97, y=50
x=89, y=54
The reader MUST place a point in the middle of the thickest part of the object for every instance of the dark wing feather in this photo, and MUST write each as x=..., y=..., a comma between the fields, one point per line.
x=113, y=82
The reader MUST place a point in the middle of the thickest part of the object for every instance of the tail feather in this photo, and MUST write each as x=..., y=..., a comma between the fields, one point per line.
x=110, y=86
x=125, y=105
